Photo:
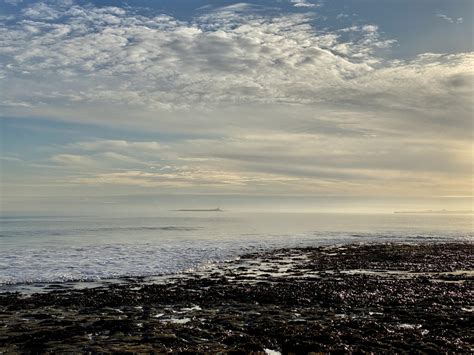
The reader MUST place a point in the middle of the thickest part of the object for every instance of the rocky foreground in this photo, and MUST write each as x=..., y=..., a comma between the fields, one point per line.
x=355, y=298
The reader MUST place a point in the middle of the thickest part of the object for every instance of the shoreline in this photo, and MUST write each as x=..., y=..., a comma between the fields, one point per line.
x=28, y=288
x=369, y=297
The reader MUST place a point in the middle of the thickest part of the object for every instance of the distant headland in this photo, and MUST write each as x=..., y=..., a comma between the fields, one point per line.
x=218, y=209
x=437, y=212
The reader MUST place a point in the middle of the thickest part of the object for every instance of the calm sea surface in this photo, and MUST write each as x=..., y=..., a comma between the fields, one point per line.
x=46, y=249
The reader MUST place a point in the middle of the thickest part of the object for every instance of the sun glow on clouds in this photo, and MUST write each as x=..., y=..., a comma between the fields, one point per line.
x=275, y=103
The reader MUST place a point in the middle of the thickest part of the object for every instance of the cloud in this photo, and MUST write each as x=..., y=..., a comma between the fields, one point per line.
x=71, y=159
x=231, y=56
x=10, y=159
x=303, y=3
x=41, y=11
x=342, y=16
x=446, y=18
x=123, y=145
x=224, y=57
x=270, y=163
x=254, y=100
x=174, y=177
x=98, y=161
x=13, y=2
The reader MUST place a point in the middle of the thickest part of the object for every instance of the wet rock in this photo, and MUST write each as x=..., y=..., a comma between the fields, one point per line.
x=356, y=298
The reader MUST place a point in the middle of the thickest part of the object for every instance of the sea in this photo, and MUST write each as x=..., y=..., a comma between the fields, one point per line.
x=36, y=250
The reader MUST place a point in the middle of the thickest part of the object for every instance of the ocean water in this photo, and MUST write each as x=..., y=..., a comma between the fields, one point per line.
x=63, y=249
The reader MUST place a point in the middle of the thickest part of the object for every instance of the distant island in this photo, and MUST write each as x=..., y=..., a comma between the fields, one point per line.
x=201, y=210
x=437, y=212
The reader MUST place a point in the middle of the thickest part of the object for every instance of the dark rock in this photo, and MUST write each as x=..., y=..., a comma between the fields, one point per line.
x=331, y=303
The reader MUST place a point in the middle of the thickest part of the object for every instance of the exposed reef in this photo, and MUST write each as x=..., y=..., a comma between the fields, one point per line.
x=353, y=298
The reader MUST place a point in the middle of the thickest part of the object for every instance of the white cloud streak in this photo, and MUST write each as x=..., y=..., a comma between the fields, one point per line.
x=303, y=3
x=446, y=18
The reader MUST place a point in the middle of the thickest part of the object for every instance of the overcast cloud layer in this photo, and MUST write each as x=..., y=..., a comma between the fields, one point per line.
x=258, y=100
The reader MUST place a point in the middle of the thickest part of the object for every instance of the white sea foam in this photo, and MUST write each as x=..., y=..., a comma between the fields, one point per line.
x=55, y=250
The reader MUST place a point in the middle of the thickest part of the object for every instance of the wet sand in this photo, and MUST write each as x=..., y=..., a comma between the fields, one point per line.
x=381, y=297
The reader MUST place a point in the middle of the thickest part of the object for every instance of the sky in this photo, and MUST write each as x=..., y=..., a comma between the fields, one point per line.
x=304, y=105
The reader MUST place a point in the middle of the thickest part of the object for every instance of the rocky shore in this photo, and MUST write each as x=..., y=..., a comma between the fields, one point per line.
x=353, y=298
